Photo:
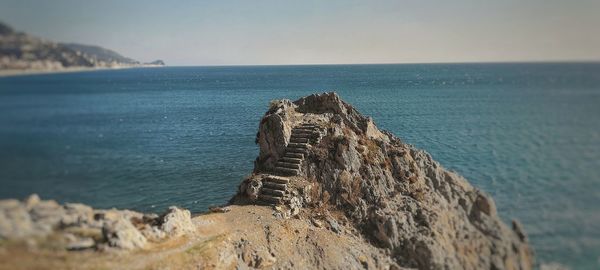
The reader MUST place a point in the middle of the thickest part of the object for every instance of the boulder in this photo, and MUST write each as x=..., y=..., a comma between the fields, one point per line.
x=122, y=234
x=15, y=221
x=177, y=222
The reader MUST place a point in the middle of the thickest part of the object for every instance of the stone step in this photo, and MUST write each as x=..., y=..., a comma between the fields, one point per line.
x=292, y=160
x=288, y=165
x=309, y=126
x=293, y=155
x=296, y=150
x=270, y=199
x=298, y=140
x=304, y=130
x=272, y=185
x=287, y=171
x=277, y=179
x=272, y=192
x=301, y=136
x=298, y=145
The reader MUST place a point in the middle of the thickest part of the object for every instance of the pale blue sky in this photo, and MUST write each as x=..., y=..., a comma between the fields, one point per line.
x=311, y=32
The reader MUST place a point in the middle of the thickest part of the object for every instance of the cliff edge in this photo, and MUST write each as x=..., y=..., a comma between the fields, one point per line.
x=332, y=158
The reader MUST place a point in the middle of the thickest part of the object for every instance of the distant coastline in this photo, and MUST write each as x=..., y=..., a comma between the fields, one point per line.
x=25, y=72
x=24, y=54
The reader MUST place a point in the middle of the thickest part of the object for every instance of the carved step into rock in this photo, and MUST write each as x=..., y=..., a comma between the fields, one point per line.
x=298, y=145
x=273, y=192
x=288, y=165
x=270, y=199
x=273, y=189
x=299, y=140
x=276, y=186
x=277, y=179
x=296, y=150
x=294, y=155
x=292, y=160
x=287, y=171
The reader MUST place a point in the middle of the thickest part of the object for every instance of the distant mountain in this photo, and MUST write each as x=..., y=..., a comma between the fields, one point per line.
x=100, y=54
x=20, y=51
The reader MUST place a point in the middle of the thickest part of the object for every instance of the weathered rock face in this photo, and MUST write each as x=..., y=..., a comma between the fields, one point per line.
x=82, y=227
x=398, y=196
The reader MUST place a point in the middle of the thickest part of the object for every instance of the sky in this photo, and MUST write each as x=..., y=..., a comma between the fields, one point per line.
x=256, y=32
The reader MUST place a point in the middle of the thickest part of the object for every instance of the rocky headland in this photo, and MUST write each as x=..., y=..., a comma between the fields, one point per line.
x=329, y=190
x=21, y=53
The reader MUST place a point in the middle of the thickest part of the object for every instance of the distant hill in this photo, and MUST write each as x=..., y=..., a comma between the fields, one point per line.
x=100, y=54
x=156, y=63
x=21, y=51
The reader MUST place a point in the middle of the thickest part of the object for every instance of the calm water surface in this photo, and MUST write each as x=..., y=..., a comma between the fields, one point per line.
x=528, y=134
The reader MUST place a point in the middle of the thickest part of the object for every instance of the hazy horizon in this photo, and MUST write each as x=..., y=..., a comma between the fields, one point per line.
x=188, y=33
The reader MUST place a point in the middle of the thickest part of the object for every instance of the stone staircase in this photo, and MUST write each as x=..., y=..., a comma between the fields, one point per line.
x=297, y=148
x=275, y=186
x=273, y=189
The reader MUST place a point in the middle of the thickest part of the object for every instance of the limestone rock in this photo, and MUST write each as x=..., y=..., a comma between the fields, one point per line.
x=274, y=133
x=424, y=215
x=15, y=221
x=251, y=188
x=84, y=227
x=122, y=234
x=177, y=222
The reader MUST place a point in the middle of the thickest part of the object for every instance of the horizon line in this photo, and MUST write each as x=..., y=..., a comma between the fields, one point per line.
x=595, y=61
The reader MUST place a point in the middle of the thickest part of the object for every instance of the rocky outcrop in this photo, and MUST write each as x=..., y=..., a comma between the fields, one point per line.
x=78, y=226
x=396, y=195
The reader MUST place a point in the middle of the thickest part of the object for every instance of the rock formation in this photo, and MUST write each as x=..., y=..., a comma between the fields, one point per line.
x=78, y=226
x=320, y=153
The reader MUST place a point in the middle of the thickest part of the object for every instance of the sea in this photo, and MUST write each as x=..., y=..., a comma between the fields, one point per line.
x=526, y=133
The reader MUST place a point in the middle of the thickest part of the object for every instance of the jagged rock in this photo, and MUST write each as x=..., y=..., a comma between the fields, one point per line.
x=424, y=215
x=15, y=221
x=274, y=133
x=122, y=234
x=333, y=225
x=46, y=215
x=76, y=214
x=153, y=233
x=295, y=205
x=177, y=222
x=32, y=201
x=84, y=227
x=251, y=188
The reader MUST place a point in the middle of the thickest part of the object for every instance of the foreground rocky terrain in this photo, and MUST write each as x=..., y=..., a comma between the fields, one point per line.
x=329, y=191
x=20, y=52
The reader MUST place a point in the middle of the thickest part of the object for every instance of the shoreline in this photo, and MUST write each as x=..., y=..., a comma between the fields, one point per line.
x=26, y=72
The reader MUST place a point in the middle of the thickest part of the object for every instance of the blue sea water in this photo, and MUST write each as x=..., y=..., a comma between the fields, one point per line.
x=528, y=134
